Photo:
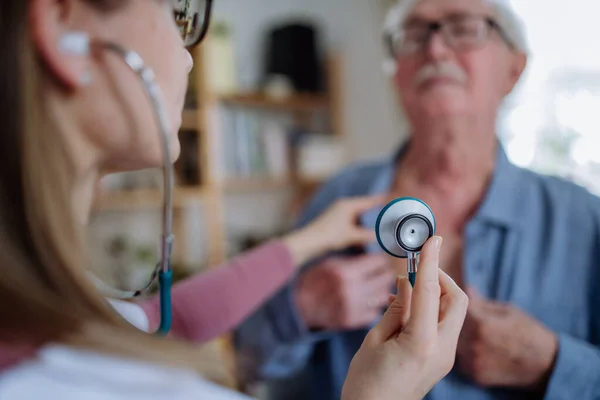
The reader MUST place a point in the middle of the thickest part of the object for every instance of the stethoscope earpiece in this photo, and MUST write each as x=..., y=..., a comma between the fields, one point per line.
x=75, y=43
x=402, y=229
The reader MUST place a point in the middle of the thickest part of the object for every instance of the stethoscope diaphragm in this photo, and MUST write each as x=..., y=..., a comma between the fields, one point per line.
x=404, y=225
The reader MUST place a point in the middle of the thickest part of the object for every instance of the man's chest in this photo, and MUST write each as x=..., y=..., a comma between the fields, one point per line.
x=534, y=272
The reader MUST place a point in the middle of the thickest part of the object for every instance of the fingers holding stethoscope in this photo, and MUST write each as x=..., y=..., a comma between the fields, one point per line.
x=414, y=344
x=434, y=310
x=426, y=293
x=399, y=305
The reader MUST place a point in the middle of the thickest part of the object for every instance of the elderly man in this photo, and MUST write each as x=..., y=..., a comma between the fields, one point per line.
x=526, y=246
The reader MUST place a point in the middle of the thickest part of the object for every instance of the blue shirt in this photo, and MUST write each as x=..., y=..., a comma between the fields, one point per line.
x=534, y=242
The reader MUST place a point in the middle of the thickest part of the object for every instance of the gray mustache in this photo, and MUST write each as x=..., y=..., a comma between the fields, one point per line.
x=441, y=70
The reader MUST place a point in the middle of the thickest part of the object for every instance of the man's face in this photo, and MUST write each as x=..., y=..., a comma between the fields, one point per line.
x=441, y=81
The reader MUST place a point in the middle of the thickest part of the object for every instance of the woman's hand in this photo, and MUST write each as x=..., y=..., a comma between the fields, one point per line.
x=337, y=228
x=414, y=344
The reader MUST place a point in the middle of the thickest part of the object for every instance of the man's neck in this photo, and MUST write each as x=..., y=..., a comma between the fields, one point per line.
x=461, y=153
x=453, y=163
x=448, y=168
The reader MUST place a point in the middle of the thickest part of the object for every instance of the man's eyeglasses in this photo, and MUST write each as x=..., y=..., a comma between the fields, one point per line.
x=192, y=17
x=459, y=33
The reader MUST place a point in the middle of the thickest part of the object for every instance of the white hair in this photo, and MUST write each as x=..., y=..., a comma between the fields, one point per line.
x=506, y=17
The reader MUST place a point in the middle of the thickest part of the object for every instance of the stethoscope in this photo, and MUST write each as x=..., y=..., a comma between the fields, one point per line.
x=403, y=227
x=163, y=268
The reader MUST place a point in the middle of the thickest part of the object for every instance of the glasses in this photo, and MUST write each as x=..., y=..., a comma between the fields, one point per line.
x=459, y=33
x=192, y=17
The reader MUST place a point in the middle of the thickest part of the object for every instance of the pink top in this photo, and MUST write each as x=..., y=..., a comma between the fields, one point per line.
x=212, y=303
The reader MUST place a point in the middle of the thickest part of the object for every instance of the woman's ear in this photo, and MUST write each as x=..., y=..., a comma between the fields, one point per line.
x=66, y=53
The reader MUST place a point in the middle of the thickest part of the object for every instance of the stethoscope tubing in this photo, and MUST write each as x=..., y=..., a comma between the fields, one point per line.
x=163, y=269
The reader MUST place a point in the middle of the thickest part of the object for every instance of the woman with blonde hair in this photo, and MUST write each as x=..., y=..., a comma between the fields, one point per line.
x=72, y=112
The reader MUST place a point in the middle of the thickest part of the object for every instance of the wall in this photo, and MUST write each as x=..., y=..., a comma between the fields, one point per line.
x=373, y=124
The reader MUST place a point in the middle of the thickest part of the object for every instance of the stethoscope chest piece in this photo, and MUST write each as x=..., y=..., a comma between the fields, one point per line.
x=403, y=226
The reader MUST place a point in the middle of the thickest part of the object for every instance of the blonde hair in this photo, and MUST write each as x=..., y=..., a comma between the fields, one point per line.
x=45, y=293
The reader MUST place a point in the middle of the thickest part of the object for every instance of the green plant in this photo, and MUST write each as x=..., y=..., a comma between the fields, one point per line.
x=117, y=246
x=145, y=255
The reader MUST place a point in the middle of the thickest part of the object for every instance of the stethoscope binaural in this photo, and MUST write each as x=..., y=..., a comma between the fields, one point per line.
x=403, y=227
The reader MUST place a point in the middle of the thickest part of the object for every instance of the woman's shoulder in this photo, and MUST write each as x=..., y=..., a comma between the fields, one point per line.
x=61, y=372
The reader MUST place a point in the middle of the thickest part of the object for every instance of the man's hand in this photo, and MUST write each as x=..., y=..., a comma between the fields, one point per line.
x=345, y=293
x=501, y=346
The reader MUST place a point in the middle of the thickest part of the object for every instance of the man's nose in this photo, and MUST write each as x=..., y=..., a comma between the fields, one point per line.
x=436, y=48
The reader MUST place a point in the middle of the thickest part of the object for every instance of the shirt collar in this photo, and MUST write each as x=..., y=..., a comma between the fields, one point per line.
x=499, y=206
x=384, y=180
x=501, y=202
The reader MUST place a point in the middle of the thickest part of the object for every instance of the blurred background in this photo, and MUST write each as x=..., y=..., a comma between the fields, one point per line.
x=262, y=130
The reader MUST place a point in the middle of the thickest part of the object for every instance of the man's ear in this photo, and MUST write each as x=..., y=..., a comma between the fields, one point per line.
x=516, y=69
x=66, y=53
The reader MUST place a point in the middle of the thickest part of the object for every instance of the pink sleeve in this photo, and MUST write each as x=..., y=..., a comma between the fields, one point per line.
x=213, y=303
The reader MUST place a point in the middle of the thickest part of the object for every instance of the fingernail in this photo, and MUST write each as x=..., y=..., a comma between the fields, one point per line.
x=437, y=242
x=399, y=278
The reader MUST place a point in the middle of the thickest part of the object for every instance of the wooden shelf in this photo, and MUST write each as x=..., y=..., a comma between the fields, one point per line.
x=146, y=199
x=297, y=102
x=310, y=182
x=189, y=120
x=252, y=184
